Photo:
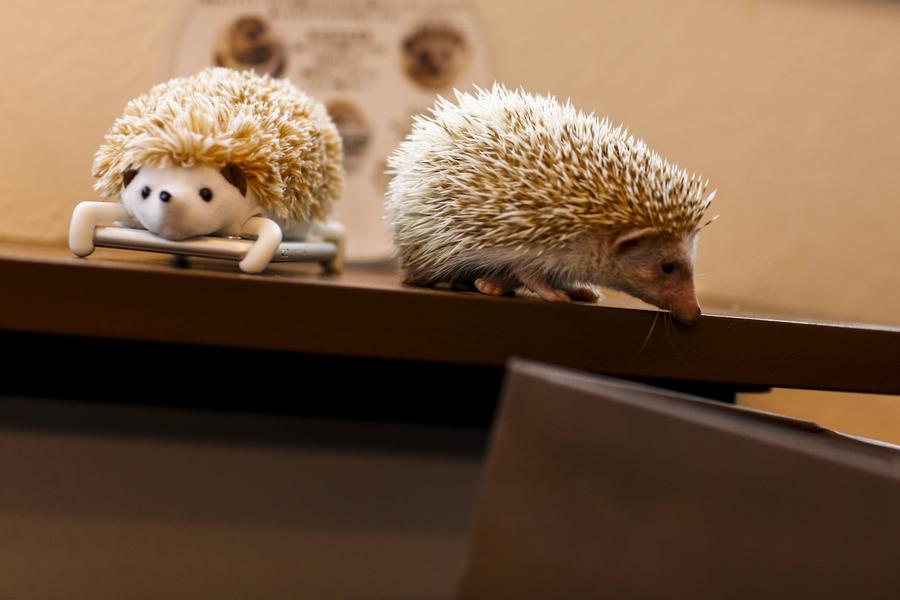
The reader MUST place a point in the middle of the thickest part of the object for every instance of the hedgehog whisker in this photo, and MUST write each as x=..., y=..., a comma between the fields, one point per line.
x=669, y=324
x=649, y=333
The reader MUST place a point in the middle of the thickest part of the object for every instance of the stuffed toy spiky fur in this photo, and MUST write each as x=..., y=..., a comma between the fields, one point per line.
x=282, y=142
x=226, y=153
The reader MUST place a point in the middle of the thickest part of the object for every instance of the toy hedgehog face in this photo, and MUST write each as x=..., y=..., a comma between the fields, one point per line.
x=652, y=266
x=182, y=202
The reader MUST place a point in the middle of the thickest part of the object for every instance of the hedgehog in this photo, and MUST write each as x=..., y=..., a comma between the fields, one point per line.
x=505, y=189
x=206, y=154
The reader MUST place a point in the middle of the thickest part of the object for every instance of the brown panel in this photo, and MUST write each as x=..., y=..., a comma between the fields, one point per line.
x=599, y=489
x=140, y=297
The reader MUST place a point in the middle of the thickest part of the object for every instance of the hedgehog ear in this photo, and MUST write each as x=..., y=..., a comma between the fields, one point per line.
x=632, y=238
x=233, y=175
x=127, y=176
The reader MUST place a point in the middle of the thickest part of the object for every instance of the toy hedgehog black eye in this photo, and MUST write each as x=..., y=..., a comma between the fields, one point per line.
x=206, y=194
x=145, y=192
x=668, y=268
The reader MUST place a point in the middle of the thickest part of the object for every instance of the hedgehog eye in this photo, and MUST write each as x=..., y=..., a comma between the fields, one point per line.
x=668, y=268
x=145, y=192
x=206, y=194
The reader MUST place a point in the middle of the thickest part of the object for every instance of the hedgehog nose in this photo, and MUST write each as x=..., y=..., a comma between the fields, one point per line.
x=687, y=314
x=165, y=196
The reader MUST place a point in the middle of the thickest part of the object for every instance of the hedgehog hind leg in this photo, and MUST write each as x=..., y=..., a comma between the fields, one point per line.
x=491, y=281
x=430, y=279
x=545, y=288
x=495, y=285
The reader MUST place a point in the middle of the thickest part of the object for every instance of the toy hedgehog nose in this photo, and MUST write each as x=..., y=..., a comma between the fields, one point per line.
x=165, y=196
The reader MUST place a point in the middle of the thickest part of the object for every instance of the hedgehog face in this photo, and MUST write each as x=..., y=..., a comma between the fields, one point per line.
x=182, y=202
x=655, y=267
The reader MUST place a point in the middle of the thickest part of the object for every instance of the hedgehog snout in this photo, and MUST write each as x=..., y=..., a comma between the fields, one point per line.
x=686, y=310
x=687, y=314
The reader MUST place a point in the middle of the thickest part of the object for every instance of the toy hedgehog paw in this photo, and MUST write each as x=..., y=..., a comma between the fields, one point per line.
x=491, y=287
x=584, y=293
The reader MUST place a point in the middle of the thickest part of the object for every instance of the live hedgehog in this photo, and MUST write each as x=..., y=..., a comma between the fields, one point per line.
x=505, y=189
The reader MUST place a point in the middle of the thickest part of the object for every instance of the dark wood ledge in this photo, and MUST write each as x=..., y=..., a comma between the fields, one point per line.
x=140, y=297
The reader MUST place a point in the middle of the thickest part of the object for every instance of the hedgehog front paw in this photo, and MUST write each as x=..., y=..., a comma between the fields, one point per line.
x=544, y=290
x=584, y=293
x=491, y=287
x=551, y=294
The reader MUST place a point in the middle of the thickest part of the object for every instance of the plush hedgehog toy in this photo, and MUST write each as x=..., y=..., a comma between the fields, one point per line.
x=223, y=152
x=505, y=189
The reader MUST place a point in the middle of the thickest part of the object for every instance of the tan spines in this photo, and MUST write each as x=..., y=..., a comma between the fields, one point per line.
x=506, y=169
x=283, y=140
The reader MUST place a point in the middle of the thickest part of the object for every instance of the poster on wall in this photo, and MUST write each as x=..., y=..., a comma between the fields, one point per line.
x=374, y=63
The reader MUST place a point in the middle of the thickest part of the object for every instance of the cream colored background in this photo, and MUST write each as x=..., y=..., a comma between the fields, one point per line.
x=788, y=106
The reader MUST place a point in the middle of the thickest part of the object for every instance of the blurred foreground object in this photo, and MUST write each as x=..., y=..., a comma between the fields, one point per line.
x=601, y=488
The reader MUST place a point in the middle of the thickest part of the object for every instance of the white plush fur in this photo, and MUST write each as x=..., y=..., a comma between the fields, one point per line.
x=187, y=214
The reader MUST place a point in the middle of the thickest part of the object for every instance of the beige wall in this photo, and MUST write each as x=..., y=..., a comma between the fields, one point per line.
x=788, y=106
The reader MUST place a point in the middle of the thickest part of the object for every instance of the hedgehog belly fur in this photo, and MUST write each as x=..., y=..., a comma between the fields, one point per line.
x=561, y=268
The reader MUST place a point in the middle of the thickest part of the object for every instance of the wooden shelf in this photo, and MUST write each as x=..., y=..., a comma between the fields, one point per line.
x=137, y=297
